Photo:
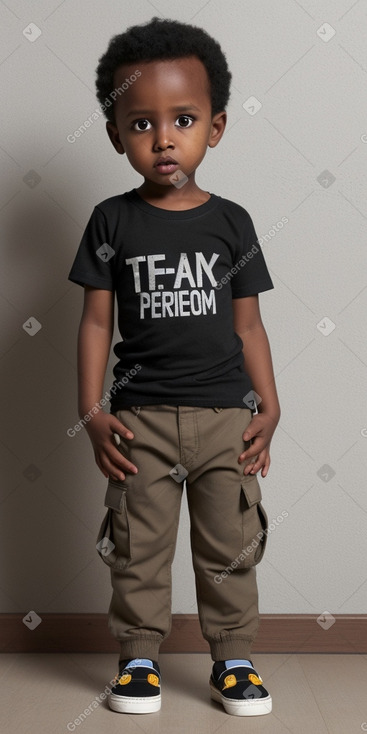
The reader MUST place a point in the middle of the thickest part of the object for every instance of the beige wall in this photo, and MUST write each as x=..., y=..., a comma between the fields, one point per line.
x=313, y=118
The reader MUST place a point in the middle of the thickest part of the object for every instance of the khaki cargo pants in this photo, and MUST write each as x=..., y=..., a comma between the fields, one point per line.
x=137, y=538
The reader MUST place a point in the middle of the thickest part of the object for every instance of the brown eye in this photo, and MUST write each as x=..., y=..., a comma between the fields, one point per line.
x=185, y=121
x=138, y=123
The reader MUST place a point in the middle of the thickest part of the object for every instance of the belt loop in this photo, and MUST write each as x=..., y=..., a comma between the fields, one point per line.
x=135, y=409
x=218, y=410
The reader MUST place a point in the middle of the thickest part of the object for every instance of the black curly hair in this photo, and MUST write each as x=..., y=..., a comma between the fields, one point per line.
x=164, y=39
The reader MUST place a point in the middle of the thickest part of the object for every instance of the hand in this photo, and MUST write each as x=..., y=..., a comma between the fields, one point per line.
x=108, y=458
x=260, y=431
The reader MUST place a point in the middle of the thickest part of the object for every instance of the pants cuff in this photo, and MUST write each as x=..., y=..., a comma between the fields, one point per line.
x=231, y=648
x=141, y=647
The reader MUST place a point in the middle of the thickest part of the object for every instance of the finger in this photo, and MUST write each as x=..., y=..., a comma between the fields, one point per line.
x=260, y=463
x=111, y=471
x=117, y=458
x=117, y=438
x=252, y=468
x=120, y=429
x=114, y=463
x=266, y=466
x=249, y=468
x=255, y=448
x=249, y=432
x=252, y=429
x=125, y=466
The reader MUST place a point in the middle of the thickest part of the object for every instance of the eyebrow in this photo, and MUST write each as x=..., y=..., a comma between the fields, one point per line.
x=180, y=108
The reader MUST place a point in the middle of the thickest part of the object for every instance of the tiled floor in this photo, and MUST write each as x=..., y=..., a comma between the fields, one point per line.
x=312, y=694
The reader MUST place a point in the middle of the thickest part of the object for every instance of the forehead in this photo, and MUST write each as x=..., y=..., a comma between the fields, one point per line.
x=163, y=84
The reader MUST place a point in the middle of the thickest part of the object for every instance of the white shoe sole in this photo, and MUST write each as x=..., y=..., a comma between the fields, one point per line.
x=134, y=705
x=247, y=707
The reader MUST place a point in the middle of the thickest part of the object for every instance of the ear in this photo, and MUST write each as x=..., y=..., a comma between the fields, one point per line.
x=114, y=137
x=219, y=122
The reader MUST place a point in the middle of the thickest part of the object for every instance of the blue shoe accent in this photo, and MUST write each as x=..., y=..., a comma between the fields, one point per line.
x=140, y=661
x=236, y=663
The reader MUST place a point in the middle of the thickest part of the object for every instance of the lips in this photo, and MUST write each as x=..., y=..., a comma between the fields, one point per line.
x=166, y=165
x=164, y=161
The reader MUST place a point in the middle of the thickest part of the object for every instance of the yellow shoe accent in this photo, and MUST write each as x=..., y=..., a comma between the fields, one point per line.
x=153, y=679
x=125, y=679
x=255, y=679
x=229, y=681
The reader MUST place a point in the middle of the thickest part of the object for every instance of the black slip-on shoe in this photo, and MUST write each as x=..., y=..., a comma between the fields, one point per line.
x=136, y=688
x=238, y=687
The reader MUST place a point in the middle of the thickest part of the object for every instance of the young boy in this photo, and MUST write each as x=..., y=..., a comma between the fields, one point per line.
x=193, y=364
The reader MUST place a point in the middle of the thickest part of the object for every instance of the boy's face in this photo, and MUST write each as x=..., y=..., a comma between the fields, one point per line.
x=166, y=112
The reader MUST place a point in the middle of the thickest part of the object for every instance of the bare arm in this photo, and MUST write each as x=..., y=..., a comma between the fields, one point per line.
x=258, y=365
x=94, y=343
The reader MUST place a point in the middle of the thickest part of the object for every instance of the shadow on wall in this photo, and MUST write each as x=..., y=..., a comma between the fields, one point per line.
x=51, y=492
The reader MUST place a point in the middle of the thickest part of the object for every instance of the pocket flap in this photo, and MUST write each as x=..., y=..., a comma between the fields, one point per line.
x=115, y=496
x=251, y=489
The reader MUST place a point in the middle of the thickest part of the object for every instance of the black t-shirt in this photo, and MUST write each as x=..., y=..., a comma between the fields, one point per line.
x=174, y=274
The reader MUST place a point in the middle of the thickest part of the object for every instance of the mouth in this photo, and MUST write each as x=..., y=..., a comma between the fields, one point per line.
x=166, y=165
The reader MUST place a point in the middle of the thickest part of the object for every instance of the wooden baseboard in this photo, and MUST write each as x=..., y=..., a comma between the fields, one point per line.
x=278, y=633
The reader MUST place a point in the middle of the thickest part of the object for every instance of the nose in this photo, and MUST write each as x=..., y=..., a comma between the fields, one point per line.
x=163, y=139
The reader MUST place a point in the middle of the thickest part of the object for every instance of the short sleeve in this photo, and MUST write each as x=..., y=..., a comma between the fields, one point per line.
x=251, y=273
x=93, y=264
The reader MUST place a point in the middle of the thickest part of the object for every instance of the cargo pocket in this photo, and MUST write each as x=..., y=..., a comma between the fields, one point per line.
x=113, y=540
x=254, y=522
